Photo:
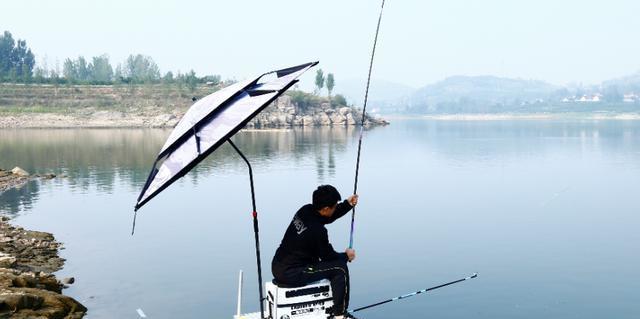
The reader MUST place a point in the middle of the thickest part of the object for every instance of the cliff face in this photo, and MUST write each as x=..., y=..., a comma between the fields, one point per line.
x=284, y=113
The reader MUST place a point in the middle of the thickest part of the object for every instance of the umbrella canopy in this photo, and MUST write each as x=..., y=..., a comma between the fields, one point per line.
x=211, y=121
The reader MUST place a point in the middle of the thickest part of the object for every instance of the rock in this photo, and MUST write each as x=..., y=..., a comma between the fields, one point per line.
x=338, y=119
x=68, y=280
x=282, y=119
x=344, y=110
x=284, y=113
x=7, y=261
x=162, y=120
x=289, y=119
x=323, y=119
x=48, y=176
x=350, y=119
x=307, y=120
x=20, y=300
x=27, y=288
x=284, y=100
x=25, y=281
x=274, y=121
x=19, y=171
x=25, y=303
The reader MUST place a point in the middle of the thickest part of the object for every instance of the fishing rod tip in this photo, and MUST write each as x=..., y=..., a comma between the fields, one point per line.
x=475, y=274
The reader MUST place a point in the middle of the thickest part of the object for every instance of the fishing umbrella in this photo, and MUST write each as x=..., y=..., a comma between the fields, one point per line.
x=209, y=123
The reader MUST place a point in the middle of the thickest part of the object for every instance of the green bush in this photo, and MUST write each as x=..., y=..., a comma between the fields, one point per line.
x=339, y=99
x=304, y=100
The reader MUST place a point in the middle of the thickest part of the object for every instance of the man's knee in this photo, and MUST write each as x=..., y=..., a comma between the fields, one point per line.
x=340, y=264
x=341, y=271
x=343, y=265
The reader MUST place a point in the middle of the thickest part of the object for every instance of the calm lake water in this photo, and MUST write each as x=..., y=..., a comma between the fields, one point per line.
x=547, y=212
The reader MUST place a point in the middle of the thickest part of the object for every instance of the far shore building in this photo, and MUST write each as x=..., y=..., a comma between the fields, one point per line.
x=588, y=98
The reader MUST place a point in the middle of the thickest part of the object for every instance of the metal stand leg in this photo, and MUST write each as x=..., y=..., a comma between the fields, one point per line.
x=255, y=227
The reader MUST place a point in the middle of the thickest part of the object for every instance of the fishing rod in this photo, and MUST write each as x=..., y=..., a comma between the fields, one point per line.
x=414, y=293
x=364, y=108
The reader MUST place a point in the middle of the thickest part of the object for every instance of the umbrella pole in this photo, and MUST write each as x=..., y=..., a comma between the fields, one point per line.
x=255, y=227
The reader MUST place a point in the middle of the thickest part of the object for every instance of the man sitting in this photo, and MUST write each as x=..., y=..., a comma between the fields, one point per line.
x=305, y=254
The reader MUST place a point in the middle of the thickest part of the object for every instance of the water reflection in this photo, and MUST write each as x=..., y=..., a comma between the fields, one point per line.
x=101, y=157
x=98, y=158
x=464, y=141
x=15, y=200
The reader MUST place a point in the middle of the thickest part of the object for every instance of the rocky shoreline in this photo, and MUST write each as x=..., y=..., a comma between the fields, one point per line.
x=28, y=289
x=18, y=177
x=277, y=117
x=283, y=113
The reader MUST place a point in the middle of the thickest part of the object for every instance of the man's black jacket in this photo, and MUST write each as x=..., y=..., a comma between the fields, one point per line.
x=306, y=241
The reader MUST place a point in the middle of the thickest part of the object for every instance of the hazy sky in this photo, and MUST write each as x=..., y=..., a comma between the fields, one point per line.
x=420, y=42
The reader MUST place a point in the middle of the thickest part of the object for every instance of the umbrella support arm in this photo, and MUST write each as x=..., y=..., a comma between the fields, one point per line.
x=255, y=227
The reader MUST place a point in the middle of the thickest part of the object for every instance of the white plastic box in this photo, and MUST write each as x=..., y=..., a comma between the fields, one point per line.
x=312, y=301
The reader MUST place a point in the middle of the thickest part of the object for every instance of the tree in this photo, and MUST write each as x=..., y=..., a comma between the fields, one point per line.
x=13, y=75
x=23, y=59
x=26, y=75
x=330, y=83
x=78, y=70
x=101, y=70
x=141, y=69
x=69, y=71
x=39, y=74
x=55, y=76
x=180, y=81
x=118, y=77
x=16, y=59
x=6, y=54
x=340, y=100
x=192, y=81
x=168, y=77
x=82, y=69
x=319, y=80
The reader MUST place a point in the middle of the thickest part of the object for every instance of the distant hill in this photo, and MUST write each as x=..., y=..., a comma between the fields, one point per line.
x=384, y=96
x=491, y=94
x=625, y=83
x=478, y=94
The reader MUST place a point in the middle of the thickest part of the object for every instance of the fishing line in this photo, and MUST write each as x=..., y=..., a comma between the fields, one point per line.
x=364, y=108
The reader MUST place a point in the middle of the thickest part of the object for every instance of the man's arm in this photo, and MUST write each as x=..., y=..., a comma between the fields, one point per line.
x=343, y=208
x=325, y=249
